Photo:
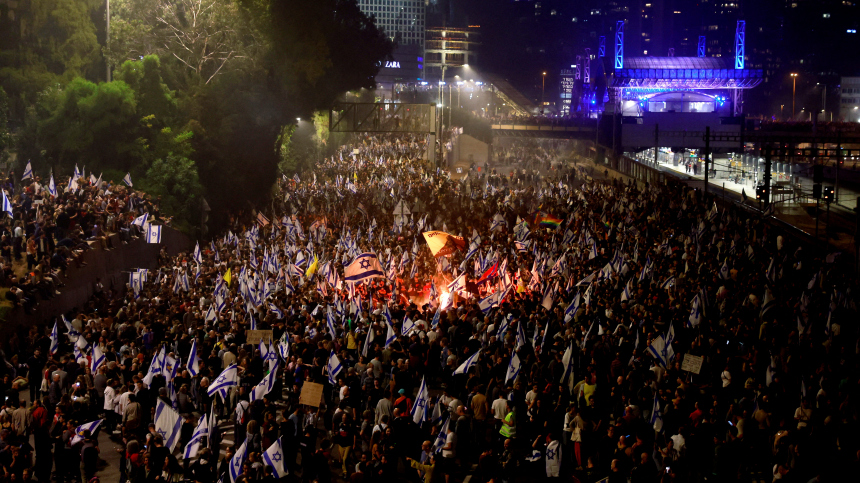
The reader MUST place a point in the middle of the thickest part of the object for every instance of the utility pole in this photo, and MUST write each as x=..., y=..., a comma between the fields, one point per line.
x=707, y=154
x=766, y=179
x=793, y=92
x=656, y=142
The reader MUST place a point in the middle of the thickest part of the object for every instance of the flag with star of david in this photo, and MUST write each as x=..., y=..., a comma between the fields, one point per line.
x=274, y=457
x=420, y=408
x=200, y=432
x=238, y=459
x=168, y=424
x=363, y=267
x=229, y=377
x=79, y=431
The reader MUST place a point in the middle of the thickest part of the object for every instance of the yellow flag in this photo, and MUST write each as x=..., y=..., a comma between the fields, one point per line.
x=228, y=277
x=313, y=268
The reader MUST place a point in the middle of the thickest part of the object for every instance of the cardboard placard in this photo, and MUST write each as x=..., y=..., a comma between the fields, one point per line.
x=692, y=363
x=255, y=336
x=311, y=394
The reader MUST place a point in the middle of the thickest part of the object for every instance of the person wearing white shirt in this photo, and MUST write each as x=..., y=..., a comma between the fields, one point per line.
x=110, y=395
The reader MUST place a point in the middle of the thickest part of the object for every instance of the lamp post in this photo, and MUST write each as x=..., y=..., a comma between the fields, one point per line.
x=793, y=92
x=542, y=89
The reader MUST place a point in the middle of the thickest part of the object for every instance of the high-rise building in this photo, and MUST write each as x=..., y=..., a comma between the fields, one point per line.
x=403, y=21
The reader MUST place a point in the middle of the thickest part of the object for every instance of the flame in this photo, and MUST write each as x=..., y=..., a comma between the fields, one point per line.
x=444, y=298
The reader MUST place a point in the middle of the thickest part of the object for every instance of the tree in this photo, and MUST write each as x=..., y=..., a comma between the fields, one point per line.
x=175, y=180
x=57, y=41
x=205, y=37
x=5, y=135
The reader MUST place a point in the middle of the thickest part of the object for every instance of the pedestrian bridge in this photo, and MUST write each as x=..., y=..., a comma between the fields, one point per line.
x=564, y=129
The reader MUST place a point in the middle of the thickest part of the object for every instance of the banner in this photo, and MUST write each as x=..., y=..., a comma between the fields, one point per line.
x=442, y=244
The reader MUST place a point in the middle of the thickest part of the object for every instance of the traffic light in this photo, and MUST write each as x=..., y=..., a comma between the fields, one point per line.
x=816, y=191
x=818, y=173
x=828, y=194
x=761, y=193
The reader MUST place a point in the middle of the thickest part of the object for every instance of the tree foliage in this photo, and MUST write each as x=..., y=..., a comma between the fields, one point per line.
x=213, y=85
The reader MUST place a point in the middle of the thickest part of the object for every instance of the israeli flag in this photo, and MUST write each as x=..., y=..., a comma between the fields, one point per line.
x=441, y=438
x=284, y=347
x=238, y=459
x=228, y=378
x=193, y=360
x=79, y=431
x=274, y=457
x=211, y=315
x=470, y=362
x=422, y=404
x=28, y=171
x=571, y=309
x=659, y=350
x=7, y=206
x=127, y=180
x=329, y=320
x=265, y=386
x=436, y=317
x=200, y=432
x=141, y=220
x=458, y=284
x=657, y=416
x=567, y=364
x=55, y=340
x=513, y=368
x=695, y=312
x=155, y=367
x=198, y=255
x=333, y=367
x=52, y=188
x=98, y=357
x=153, y=233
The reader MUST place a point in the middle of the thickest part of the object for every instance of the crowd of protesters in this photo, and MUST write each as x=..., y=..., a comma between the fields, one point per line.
x=51, y=232
x=629, y=332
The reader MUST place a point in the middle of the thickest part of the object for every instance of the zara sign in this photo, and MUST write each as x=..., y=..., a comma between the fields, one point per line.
x=392, y=64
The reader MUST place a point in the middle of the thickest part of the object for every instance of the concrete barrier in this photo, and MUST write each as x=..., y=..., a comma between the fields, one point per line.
x=111, y=266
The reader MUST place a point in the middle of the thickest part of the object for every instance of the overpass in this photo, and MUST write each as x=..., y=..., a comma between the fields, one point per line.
x=546, y=128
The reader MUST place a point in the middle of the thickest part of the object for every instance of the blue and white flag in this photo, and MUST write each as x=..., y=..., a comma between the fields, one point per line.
x=695, y=317
x=458, y=284
x=422, y=404
x=55, y=340
x=198, y=255
x=193, y=360
x=7, y=206
x=28, y=171
x=168, y=424
x=657, y=416
x=659, y=350
x=571, y=309
x=436, y=317
x=155, y=367
x=79, y=431
x=513, y=368
x=238, y=460
x=141, y=220
x=329, y=320
x=363, y=267
x=274, y=457
x=284, y=347
x=442, y=437
x=470, y=362
x=333, y=367
x=200, y=432
x=265, y=386
x=127, y=180
x=153, y=233
x=52, y=188
x=229, y=377
x=98, y=358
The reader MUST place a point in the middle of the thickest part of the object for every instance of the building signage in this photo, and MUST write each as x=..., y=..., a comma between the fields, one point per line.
x=392, y=64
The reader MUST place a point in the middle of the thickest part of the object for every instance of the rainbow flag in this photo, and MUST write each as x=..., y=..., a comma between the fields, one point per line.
x=549, y=221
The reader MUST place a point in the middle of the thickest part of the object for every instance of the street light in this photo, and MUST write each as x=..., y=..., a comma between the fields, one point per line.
x=542, y=88
x=793, y=91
